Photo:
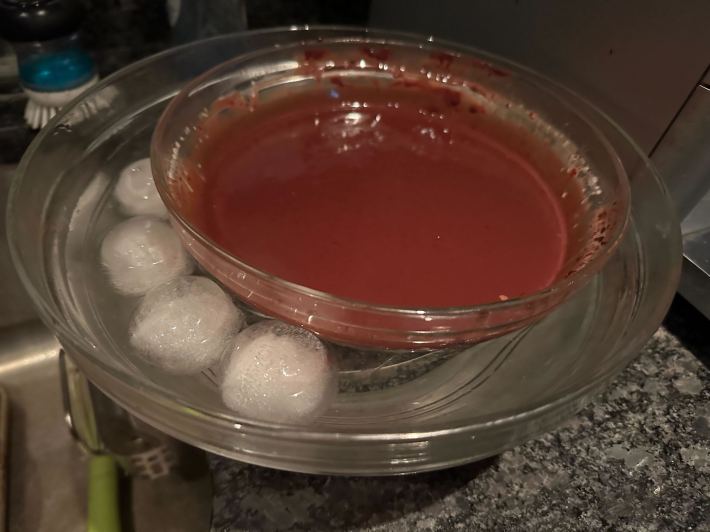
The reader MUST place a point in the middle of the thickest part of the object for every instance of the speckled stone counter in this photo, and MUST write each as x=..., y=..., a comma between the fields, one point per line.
x=637, y=458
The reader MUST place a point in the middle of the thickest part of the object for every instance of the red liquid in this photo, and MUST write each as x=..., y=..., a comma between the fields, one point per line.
x=401, y=197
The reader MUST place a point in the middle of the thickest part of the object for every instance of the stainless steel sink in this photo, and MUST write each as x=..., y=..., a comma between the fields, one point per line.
x=46, y=477
x=46, y=481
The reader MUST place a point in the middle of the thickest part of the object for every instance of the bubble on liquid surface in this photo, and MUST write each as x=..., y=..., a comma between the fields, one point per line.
x=185, y=326
x=136, y=193
x=278, y=373
x=141, y=253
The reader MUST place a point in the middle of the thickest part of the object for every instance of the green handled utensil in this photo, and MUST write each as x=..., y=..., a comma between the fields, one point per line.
x=118, y=443
x=103, y=513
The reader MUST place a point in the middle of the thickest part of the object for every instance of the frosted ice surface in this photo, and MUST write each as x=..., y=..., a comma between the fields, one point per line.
x=136, y=193
x=278, y=373
x=141, y=253
x=185, y=326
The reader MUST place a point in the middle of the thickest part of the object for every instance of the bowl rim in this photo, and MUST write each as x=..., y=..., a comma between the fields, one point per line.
x=361, y=35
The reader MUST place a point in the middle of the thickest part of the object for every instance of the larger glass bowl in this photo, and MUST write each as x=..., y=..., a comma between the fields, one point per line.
x=395, y=412
x=591, y=185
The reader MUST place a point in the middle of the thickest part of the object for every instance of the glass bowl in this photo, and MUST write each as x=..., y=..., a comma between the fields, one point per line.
x=395, y=412
x=592, y=185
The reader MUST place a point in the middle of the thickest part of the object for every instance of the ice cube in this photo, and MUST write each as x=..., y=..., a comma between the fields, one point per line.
x=141, y=253
x=185, y=326
x=136, y=192
x=278, y=373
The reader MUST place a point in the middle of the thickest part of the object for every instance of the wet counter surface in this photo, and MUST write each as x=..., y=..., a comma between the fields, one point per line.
x=637, y=458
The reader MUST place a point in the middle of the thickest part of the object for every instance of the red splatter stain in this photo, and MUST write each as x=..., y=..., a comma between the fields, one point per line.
x=572, y=172
x=407, y=83
x=221, y=105
x=381, y=54
x=443, y=58
x=313, y=54
x=228, y=102
x=489, y=69
x=474, y=87
x=451, y=97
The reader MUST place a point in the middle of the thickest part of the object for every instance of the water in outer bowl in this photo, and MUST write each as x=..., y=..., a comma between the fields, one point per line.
x=377, y=390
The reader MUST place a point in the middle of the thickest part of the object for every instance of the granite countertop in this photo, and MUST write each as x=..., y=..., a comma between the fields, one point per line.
x=637, y=458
